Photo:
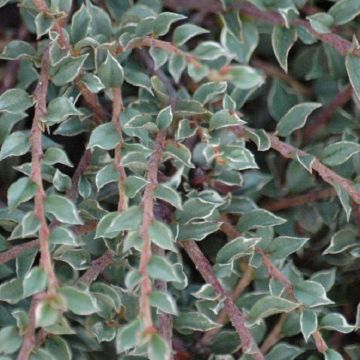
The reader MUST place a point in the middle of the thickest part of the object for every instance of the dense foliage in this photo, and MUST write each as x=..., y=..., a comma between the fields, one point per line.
x=180, y=179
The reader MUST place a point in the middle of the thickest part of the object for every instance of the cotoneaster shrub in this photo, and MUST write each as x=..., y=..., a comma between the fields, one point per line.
x=179, y=179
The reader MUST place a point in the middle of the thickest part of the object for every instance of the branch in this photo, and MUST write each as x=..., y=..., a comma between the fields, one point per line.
x=237, y=318
x=36, y=177
x=117, y=108
x=294, y=201
x=289, y=152
x=275, y=334
x=148, y=217
x=222, y=318
x=325, y=116
x=97, y=267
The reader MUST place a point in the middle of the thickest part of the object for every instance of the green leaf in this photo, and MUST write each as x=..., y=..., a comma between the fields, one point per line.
x=352, y=63
x=344, y=11
x=159, y=56
x=185, y=32
x=164, y=21
x=15, y=144
x=209, y=91
x=43, y=24
x=282, y=40
x=194, y=321
x=15, y=101
x=177, y=65
x=197, y=230
x=321, y=22
x=283, y=246
x=34, y=281
x=257, y=219
x=134, y=184
x=295, y=118
x=129, y=219
x=164, y=118
x=78, y=301
x=59, y=110
x=59, y=347
x=169, y=195
x=187, y=108
x=106, y=175
x=180, y=152
x=62, y=236
x=195, y=208
x=158, y=348
x=134, y=76
x=20, y=191
x=336, y=322
x=62, y=209
x=311, y=293
x=244, y=77
x=260, y=138
x=339, y=152
x=80, y=24
x=127, y=336
x=160, y=268
x=224, y=118
x=163, y=301
x=55, y=155
x=331, y=354
x=161, y=235
x=111, y=72
x=104, y=137
x=10, y=340
x=67, y=70
x=270, y=305
x=235, y=249
x=283, y=351
x=344, y=199
x=11, y=291
x=308, y=323
x=17, y=49
x=45, y=314
x=342, y=240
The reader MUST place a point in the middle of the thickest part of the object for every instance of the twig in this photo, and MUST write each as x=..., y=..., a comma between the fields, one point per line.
x=289, y=152
x=148, y=217
x=276, y=274
x=272, y=70
x=97, y=267
x=294, y=201
x=117, y=108
x=36, y=177
x=222, y=318
x=275, y=334
x=236, y=317
x=325, y=116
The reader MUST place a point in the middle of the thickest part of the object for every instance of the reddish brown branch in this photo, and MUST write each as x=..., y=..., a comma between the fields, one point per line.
x=117, y=108
x=299, y=200
x=325, y=116
x=222, y=318
x=14, y=251
x=236, y=317
x=275, y=334
x=36, y=177
x=97, y=267
x=148, y=217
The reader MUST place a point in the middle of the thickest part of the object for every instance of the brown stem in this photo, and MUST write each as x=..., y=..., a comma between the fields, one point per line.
x=148, y=217
x=222, y=318
x=236, y=317
x=274, y=71
x=36, y=177
x=289, y=152
x=117, y=108
x=325, y=116
x=299, y=200
x=275, y=334
x=97, y=267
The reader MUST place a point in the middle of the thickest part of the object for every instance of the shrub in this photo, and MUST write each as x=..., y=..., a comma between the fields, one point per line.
x=180, y=179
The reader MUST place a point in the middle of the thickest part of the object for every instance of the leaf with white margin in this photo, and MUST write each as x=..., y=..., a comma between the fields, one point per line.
x=308, y=323
x=311, y=293
x=337, y=322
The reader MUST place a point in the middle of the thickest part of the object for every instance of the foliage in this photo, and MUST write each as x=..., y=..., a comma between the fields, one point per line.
x=180, y=179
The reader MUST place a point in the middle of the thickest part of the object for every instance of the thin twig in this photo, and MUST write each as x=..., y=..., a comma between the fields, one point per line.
x=148, y=217
x=293, y=201
x=236, y=317
x=275, y=334
x=36, y=177
x=222, y=318
x=117, y=108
